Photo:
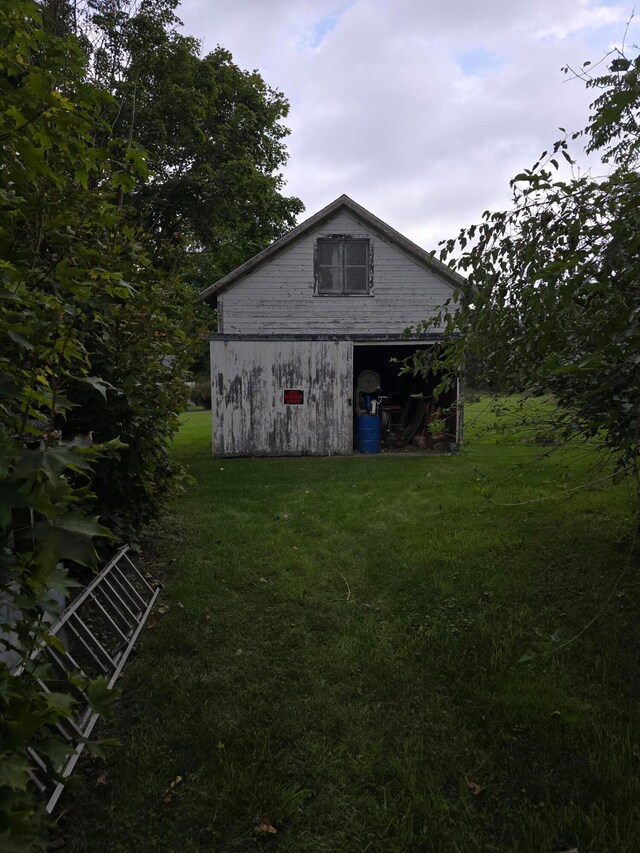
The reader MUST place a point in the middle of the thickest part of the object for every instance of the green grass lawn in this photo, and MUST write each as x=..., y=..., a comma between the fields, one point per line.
x=339, y=659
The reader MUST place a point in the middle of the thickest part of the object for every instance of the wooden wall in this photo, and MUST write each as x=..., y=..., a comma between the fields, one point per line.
x=278, y=298
x=250, y=417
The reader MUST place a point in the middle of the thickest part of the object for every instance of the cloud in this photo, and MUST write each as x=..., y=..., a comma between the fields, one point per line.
x=584, y=18
x=420, y=111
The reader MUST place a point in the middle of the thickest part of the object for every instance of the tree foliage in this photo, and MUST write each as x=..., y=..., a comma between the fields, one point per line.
x=141, y=348
x=552, y=299
x=57, y=235
x=97, y=315
x=213, y=133
x=211, y=141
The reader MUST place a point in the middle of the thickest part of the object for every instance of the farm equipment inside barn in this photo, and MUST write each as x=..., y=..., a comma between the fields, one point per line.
x=410, y=416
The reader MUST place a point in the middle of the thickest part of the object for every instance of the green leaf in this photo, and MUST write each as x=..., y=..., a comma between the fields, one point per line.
x=55, y=643
x=620, y=64
x=60, y=545
x=76, y=522
x=57, y=750
x=61, y=703
x=99, y=748
x=82, y=177
x=14, y=771
x=17, y=338
x=99, y=384
x=101, y=697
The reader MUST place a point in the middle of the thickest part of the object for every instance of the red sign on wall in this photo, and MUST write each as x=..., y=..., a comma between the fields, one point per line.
x=293, y=397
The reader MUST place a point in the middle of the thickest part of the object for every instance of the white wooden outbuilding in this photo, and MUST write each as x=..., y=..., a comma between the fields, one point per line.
x=301, y=321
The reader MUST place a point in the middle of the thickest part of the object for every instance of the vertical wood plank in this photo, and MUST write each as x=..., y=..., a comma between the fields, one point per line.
x=250, y=417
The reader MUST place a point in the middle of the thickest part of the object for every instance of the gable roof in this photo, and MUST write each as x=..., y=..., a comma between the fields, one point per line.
x=362, y=215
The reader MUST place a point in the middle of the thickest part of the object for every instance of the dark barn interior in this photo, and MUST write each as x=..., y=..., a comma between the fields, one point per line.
x=411, y=417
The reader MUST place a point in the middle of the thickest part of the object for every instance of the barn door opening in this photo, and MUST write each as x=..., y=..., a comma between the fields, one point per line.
x=411, y=417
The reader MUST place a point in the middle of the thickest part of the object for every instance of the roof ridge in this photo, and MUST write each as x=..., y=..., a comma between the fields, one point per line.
x=453, y=278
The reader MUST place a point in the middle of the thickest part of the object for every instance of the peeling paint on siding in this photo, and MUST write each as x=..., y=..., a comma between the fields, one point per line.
x=279, y=299
x=250, y=417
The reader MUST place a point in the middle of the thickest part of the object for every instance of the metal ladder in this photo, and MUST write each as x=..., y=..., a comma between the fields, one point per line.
x=96, y=633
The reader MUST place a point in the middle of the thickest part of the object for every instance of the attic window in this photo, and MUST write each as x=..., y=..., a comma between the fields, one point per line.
x=343, y=266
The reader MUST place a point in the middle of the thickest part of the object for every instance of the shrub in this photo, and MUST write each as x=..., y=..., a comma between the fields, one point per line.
x=201, y=394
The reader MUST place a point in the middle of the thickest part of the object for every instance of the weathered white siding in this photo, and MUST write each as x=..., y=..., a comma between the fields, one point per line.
x=250, y=417
x=278, y=298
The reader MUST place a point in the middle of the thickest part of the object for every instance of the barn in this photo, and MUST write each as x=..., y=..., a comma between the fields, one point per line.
x=310, y=340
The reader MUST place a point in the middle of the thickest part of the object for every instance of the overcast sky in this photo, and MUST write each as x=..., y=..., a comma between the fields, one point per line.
x=420, y=110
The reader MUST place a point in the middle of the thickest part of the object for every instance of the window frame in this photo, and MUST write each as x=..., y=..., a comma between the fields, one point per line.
x=343, y=239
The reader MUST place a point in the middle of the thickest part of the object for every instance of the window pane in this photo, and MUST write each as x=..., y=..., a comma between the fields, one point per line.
x=329, y=280
x=357, y=252
x=357, y=280
x=328, y=252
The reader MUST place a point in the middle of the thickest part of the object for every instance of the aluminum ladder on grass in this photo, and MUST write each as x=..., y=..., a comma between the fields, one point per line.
x=96, y=632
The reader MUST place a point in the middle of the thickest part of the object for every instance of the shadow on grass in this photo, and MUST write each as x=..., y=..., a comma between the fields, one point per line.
x=338, y=660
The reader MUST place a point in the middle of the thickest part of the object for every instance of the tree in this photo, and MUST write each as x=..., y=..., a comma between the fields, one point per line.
x=94, y=337
x=96, y=320
x=141, y=348
x=213, y=133
x=57, y=234
x=210, y=139
x=552, y=300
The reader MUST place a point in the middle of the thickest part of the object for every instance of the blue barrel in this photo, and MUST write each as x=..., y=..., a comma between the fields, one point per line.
x=368, y=432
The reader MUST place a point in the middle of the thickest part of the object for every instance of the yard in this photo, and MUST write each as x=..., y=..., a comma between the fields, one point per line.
x=333, y=665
